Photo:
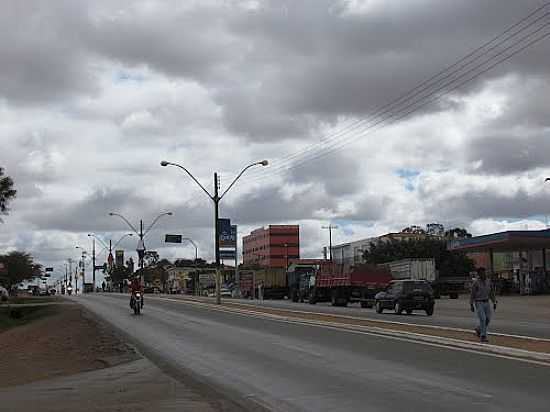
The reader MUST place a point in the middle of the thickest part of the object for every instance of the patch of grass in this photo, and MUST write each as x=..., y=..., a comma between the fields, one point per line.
x=32, y=299
x=11, y=317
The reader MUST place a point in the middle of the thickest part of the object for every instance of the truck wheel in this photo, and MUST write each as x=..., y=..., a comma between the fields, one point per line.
x=294, y=295
x=409, y=311
x=453, y=295
x=379, y=308
x=365, y=304
x=437, y=295
x=311, y=299
x=398, y=308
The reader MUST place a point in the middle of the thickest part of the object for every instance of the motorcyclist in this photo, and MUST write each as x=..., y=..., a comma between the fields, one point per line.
x=136, y=286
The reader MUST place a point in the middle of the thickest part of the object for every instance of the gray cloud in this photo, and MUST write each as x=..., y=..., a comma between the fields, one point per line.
x=94, y=94
x=477, y=204
x=510, y=153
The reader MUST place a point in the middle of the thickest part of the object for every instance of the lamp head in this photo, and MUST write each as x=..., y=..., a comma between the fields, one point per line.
x=169, y=213
x=111, y=214
x=264, y=162
x=164, y=163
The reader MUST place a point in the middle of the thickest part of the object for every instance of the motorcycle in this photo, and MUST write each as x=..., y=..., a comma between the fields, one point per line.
x=69, y=290
x=135, y=303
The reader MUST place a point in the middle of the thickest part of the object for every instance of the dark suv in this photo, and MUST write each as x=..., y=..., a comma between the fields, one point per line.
x=406, y=295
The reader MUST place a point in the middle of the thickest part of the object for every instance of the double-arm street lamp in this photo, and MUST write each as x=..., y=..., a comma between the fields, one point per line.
x=108, y=247
x=216, y=199
x=141, y=233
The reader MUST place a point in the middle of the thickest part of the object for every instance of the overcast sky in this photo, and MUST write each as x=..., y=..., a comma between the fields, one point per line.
x=93, y=95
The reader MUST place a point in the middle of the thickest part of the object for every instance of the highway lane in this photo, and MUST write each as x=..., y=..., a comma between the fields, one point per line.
x=290, y=367
x=517, y=315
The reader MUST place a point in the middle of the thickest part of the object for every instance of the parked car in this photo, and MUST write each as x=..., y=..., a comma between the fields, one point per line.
x=406, y=295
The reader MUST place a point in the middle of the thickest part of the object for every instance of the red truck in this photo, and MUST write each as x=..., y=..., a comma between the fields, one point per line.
x=329, y=284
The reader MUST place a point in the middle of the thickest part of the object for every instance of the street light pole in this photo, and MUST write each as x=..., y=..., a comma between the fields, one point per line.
x=330, y=227
x=141, y=245
x=93, y=264
x=216, y=199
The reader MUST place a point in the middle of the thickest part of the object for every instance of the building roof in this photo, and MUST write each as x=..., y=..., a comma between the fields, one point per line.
x=511, y=240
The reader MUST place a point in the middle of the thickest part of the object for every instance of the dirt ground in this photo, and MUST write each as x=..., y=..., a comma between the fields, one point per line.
x=65, y=342
x=67, y=361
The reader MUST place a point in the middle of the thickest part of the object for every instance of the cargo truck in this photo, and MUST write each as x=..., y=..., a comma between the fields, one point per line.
x=424, y=269
x=331, y=284
x=272, y=281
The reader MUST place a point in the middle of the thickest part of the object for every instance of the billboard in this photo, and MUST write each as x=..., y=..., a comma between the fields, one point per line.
x=228, y=237
x=119, y=258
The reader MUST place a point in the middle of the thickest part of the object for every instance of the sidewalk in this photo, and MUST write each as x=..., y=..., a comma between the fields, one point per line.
x=134, y=386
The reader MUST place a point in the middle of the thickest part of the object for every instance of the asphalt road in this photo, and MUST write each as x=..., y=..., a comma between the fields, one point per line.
x=290, y=367
x=518, y=315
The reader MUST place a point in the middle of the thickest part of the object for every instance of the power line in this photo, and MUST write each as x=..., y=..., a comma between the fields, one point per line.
x=422, y=89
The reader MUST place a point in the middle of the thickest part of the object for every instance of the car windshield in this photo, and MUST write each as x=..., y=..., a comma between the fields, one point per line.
x=415, y=286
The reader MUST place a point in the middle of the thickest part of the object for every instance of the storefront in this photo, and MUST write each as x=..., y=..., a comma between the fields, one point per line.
x=516, y=260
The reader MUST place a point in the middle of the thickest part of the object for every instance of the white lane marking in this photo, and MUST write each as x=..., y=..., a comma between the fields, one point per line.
x=346, y=328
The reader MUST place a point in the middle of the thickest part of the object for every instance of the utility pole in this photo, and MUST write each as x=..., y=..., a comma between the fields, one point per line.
x=141, y=251
x=216, y=199
x=330, y=227
x=93, y=264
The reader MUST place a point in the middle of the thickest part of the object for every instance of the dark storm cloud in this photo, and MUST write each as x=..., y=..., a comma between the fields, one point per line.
x=276, y=71
x=479, y=204
x=41, y=52
x=89, y=214
x=316, y=59
x=510, y=153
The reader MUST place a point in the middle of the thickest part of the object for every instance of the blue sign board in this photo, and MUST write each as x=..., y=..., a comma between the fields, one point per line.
x=228, y=233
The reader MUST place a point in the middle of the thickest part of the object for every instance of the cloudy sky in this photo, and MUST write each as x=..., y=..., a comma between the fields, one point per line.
x=93, y=95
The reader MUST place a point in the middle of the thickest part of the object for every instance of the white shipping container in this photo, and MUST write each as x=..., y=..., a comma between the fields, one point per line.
x=418, y=269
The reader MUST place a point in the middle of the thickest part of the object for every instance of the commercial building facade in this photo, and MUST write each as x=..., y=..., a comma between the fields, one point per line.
x=274, y=246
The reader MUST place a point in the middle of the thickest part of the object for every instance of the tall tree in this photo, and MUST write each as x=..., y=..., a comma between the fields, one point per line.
x=457, y=233
x=19, y=266
x=7, y=192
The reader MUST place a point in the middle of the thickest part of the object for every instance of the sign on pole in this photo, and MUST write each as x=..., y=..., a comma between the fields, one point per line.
x=49, y=269
x=119, y=258
x=227, y=254
x=228, y=234
x=172, y=238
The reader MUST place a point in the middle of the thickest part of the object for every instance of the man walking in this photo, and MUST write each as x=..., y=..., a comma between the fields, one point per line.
x=482, y=291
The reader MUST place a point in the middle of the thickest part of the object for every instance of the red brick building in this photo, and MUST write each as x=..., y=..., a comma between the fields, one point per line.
x=272, y=247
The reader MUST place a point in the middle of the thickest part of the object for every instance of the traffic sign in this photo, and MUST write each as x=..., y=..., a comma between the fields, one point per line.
x=172, y=238
x=49, y=269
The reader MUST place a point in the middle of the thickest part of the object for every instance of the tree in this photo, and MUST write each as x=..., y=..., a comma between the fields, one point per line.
x=448, y=263
x=19, y=267
x=414, y=229
x=457, y=233
x=7, y=192
x=151, y=257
